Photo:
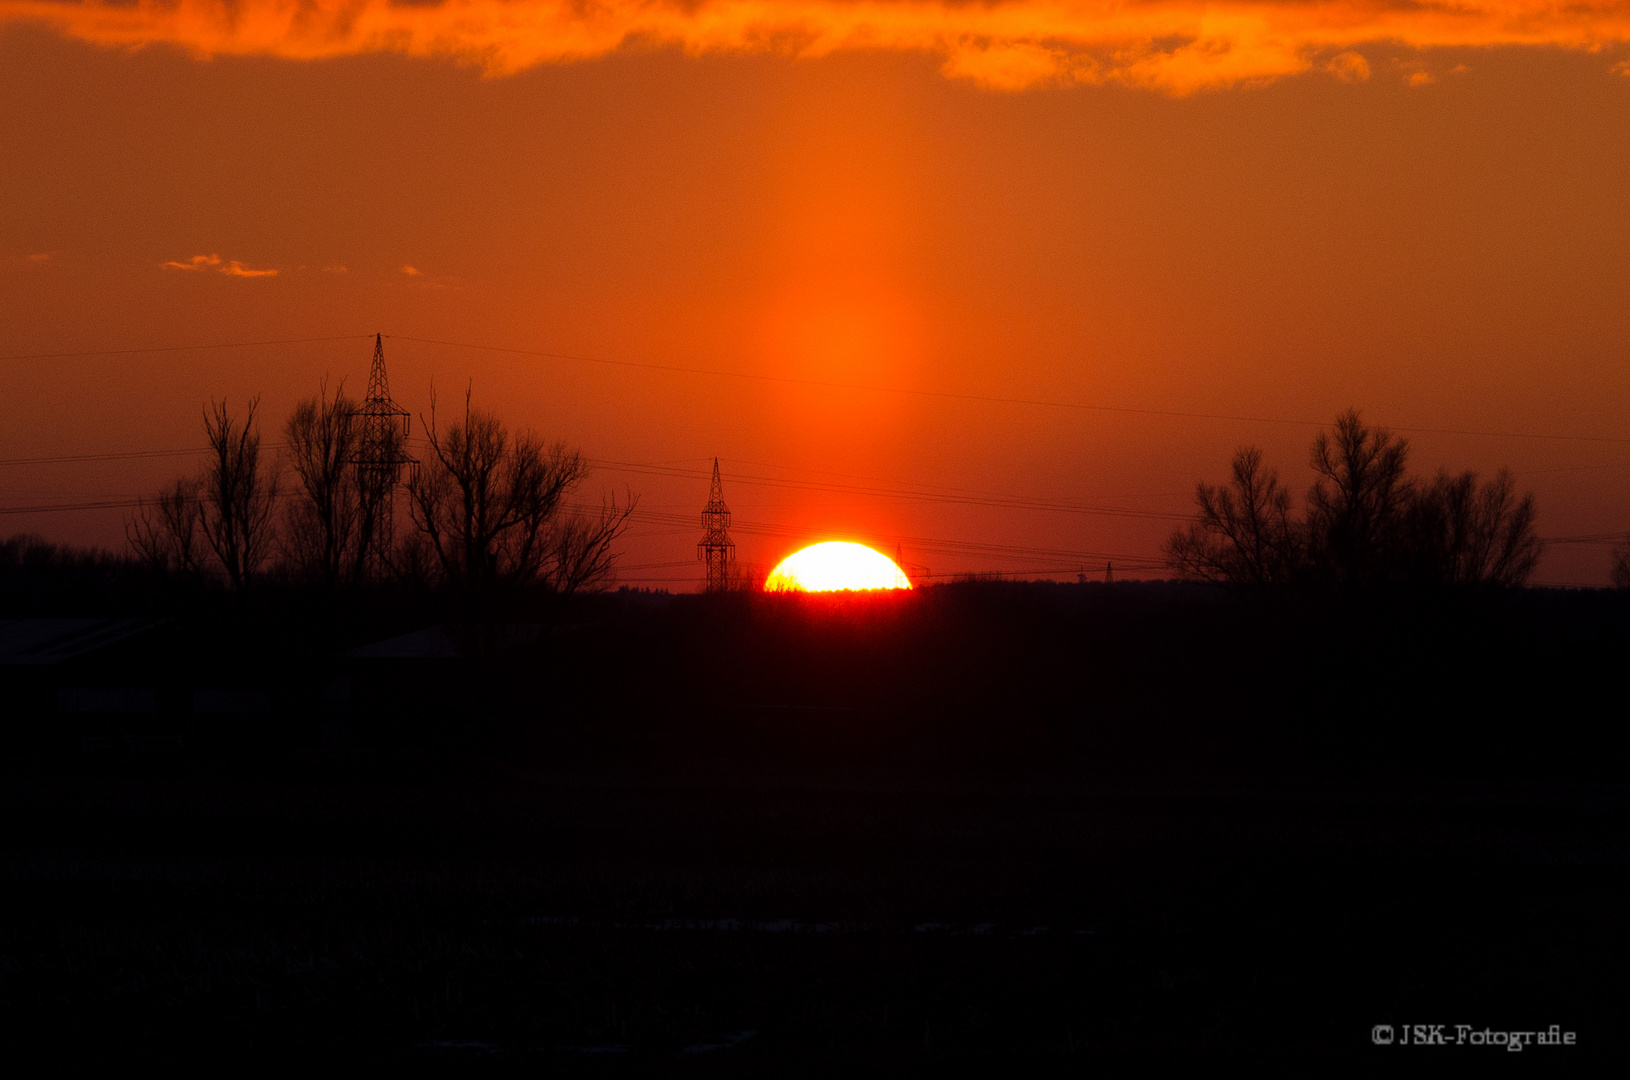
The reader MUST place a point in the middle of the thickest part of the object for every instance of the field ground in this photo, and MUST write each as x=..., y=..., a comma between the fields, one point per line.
x=714, y=917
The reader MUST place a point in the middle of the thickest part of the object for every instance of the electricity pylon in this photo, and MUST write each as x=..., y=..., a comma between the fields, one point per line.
x=716, y=548
x=381, y=454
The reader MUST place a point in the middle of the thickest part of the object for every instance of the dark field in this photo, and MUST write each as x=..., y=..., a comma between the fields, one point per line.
x=969, y=851
x=734, y=921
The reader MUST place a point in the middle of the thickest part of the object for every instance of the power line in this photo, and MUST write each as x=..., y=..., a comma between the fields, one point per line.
x=930, y=545
x=62, y=459
x=970, y=498
x=925, y=544
x=938, y=487
x=958, y=396
x=678, y=521
x=177, y=348
x=1579, y=468
x=49, y=508
x=1591, y=538
x=825, y=383
x=851, y=489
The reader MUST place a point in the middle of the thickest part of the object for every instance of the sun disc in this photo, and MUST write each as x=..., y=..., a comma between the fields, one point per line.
x=833, y=566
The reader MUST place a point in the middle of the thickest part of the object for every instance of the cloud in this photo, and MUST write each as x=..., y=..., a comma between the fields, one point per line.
x=40, y=258
x=213, y=262
x=1349, y=67
x=197, y=262
x=1622, y=68
x=1177, y=46
x=335, y=270
x=237, y=269
x=1420, y=78
x=412, y=271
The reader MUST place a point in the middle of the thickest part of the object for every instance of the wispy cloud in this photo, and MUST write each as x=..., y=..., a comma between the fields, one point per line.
x=233, y=268
x=237, y=269
x=412, y=271
x=1178, y=46
x=197, y=262
x=1349, y=66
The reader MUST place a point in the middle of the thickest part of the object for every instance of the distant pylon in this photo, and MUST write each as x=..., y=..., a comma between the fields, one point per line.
x=1109, y=573
x=716, y=548
x=381, y=453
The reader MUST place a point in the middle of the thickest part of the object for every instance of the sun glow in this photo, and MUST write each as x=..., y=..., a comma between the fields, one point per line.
x=833, y=566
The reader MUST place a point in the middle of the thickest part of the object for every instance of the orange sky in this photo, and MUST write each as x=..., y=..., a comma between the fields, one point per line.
x=1249, y=210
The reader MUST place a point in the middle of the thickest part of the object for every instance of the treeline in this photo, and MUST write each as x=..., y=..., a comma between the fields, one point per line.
x=488, y=524
x=1365, y=524
x=38, y=577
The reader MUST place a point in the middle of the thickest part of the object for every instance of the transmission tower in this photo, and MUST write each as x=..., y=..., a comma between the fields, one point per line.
x=716, y=548
x=381, y=454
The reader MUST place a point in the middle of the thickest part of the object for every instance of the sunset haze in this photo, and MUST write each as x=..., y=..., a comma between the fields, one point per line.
x=997, y=283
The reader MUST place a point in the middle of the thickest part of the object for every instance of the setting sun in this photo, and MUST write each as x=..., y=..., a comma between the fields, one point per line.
x=833, y=566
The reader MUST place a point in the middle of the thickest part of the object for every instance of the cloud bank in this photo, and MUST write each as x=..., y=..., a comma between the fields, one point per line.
x=1177, y=46
x=234, y=268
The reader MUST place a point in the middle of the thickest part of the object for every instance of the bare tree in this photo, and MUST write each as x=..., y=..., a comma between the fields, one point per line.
x=580, y=556
x=1366, y=522
x=1469, y=534
x=1621, y=565
x=491, y=506
x=238, y=493
x=1356, y=509
x=1243, y=532
x=165, y=533
x=323, y=526
x=746, y=577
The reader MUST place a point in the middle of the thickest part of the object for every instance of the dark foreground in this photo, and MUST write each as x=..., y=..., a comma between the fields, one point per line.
x=1020, y=828
x=721, y=919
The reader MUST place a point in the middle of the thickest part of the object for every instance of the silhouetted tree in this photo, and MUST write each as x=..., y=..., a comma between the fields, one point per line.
x=579, y=557
x=1366, y=522
x=1357, y=507
x=1243, y=532
x=1621, y=565
x=237, y=494
x=324, y=525
x=1465, y=533
x=492, y=507
x=746, y=577
x=38, y=577
x=165, y=534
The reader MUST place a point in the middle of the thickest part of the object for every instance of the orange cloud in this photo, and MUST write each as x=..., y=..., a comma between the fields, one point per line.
x=213, y=262
x=237, y=269
x=1349, y=67
x=1178, y=46
x=197, y=262
x=412, y=271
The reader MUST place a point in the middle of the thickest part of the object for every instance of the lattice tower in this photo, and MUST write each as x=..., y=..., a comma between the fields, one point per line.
x=716, y=549
x=381, y=456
